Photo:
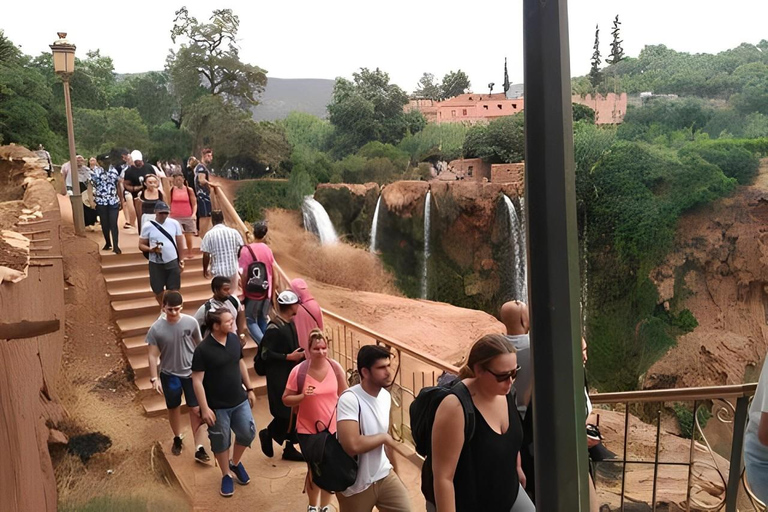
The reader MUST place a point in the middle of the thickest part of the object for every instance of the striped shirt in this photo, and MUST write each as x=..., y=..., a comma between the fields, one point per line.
x=222, y=243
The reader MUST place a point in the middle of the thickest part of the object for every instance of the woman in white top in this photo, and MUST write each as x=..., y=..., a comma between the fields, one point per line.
x=756, y=439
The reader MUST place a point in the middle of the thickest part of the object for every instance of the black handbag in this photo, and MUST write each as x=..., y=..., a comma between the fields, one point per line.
x=333, y=469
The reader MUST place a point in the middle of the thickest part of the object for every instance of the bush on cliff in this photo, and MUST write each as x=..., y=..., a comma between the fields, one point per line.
x=729, y=155
x=637, y=194
x=255, y=197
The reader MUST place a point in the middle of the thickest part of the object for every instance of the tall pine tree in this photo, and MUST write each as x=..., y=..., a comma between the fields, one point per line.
x=617, y=52
x=595, y=75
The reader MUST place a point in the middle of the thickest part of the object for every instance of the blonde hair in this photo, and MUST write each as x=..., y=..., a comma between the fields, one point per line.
x=483, y=351
x=315, y=334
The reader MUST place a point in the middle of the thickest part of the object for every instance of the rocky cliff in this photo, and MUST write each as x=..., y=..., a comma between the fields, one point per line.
x=471, y=256
x=720, y=266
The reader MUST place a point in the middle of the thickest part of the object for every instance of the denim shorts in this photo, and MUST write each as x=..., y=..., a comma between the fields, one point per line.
x=238, y=419
x=173, y=386
x=756, y=465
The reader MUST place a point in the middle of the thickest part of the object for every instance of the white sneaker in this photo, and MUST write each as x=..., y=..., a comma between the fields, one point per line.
x=312, y=509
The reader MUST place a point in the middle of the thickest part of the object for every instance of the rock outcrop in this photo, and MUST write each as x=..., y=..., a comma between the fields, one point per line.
x=471, y=255
x=721, y=266
x=31, y=340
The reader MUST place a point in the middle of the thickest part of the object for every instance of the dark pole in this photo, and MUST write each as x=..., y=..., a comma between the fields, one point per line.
x=560, y=449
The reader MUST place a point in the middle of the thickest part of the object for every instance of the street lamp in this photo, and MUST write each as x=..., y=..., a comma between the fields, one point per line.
x=64, y=65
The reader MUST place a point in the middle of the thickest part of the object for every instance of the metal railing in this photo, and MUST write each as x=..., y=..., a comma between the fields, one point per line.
x=714, y=472
x=415, y=369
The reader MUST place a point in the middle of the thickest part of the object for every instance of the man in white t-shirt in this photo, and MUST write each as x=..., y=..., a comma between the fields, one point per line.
x=756, y=439
x=363, y=426
x=166, y=253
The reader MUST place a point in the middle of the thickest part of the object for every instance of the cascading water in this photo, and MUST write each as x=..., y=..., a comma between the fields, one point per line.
x=424, y=282
x=524, y=247
x=317, y=221
x=375, y=225
x=517, y=243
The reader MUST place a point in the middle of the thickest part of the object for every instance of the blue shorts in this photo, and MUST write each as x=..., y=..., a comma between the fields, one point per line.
x=238, y=419
x=756, y=465
x=204, y=206
x=173, y=386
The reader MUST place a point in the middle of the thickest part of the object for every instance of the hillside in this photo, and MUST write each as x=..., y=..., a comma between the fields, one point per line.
x=285, y=95
x=720, y=260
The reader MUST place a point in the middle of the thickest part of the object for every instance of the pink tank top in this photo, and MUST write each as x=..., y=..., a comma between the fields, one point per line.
x=180, y=205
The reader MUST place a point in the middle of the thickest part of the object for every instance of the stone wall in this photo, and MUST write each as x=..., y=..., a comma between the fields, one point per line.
x=31, y=346
x=511, y=174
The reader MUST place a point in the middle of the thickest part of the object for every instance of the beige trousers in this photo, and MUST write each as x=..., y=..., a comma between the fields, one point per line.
x=388, y=495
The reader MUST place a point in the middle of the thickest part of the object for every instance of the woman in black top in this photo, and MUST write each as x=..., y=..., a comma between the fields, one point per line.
x=483, y=473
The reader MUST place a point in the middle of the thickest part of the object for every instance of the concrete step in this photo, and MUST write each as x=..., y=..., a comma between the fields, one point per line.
x=154, y=403
x=147, y=304
x=132, y=254
x=138, y=287
x=139, y=360
x=139, y=269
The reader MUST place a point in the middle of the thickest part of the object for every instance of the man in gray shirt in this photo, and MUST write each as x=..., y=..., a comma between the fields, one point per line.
x=172, y=340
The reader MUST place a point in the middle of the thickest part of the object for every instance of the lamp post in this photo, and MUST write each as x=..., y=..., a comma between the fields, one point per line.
x=64, y=65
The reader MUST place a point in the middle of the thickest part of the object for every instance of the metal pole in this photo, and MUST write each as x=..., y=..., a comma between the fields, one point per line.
x=560, y=449
x=737, y=446
x=78, y=216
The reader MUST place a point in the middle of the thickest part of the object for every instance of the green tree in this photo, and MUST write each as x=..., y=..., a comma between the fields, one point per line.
x=582, y=112
x=26, y=102
x=753, y=94
x=98, y=131
x=454, y=83
x=209, y=59
x=234, y=136
x=369, y=108
x=149, y=94
x=595, y=76
x=304, y=129
x=617, y=52
x=428, y=88
x=501, y=141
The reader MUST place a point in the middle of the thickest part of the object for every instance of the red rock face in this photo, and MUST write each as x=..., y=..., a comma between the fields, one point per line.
x=722, y=254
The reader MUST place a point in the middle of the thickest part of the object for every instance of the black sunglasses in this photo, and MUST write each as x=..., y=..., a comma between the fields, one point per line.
x=501, y=377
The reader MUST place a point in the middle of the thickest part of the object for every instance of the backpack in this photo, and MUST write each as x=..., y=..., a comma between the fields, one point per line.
x=424, y=407
x=207, y=308
x=256, y=277
x=333, y=469
x=259, y=363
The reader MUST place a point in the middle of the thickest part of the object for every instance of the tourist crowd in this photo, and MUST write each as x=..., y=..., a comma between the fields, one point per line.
x=475, y=430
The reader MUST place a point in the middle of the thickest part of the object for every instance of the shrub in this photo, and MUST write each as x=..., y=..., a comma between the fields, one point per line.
x=255, y=197
x=685, y=419
x=729, y=155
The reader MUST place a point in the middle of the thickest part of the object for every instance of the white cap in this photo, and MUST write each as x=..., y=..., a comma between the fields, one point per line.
x=136, y=155
x=287, y=298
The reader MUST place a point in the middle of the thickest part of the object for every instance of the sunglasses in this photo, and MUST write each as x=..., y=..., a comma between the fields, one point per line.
x=501, y=377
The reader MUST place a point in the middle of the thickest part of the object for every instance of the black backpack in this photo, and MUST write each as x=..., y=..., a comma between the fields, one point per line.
x=333, y=469
x=207, y=308
x=256, y=277
x=424, y=407
x=259, y=363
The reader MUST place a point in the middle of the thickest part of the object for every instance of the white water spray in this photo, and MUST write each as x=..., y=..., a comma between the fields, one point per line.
x=317, y=221
x=517, y=243
x=375, y=225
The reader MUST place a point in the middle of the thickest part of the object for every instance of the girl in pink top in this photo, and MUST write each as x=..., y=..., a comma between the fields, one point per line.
x=184, y=208
x=309, y=315
x=316, y=402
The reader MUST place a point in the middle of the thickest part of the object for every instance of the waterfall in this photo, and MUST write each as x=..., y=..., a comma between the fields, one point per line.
x=517, y=243
x=424, y=282
x=375, y=225
x=524, y=247
x=317, y=221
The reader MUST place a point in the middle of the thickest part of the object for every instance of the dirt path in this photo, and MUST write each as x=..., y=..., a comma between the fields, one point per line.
x=99, y=397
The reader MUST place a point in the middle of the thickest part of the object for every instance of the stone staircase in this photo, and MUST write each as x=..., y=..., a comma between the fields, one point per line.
x=134, y=309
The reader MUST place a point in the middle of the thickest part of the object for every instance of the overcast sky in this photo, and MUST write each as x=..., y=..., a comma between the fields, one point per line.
x=312, y=39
